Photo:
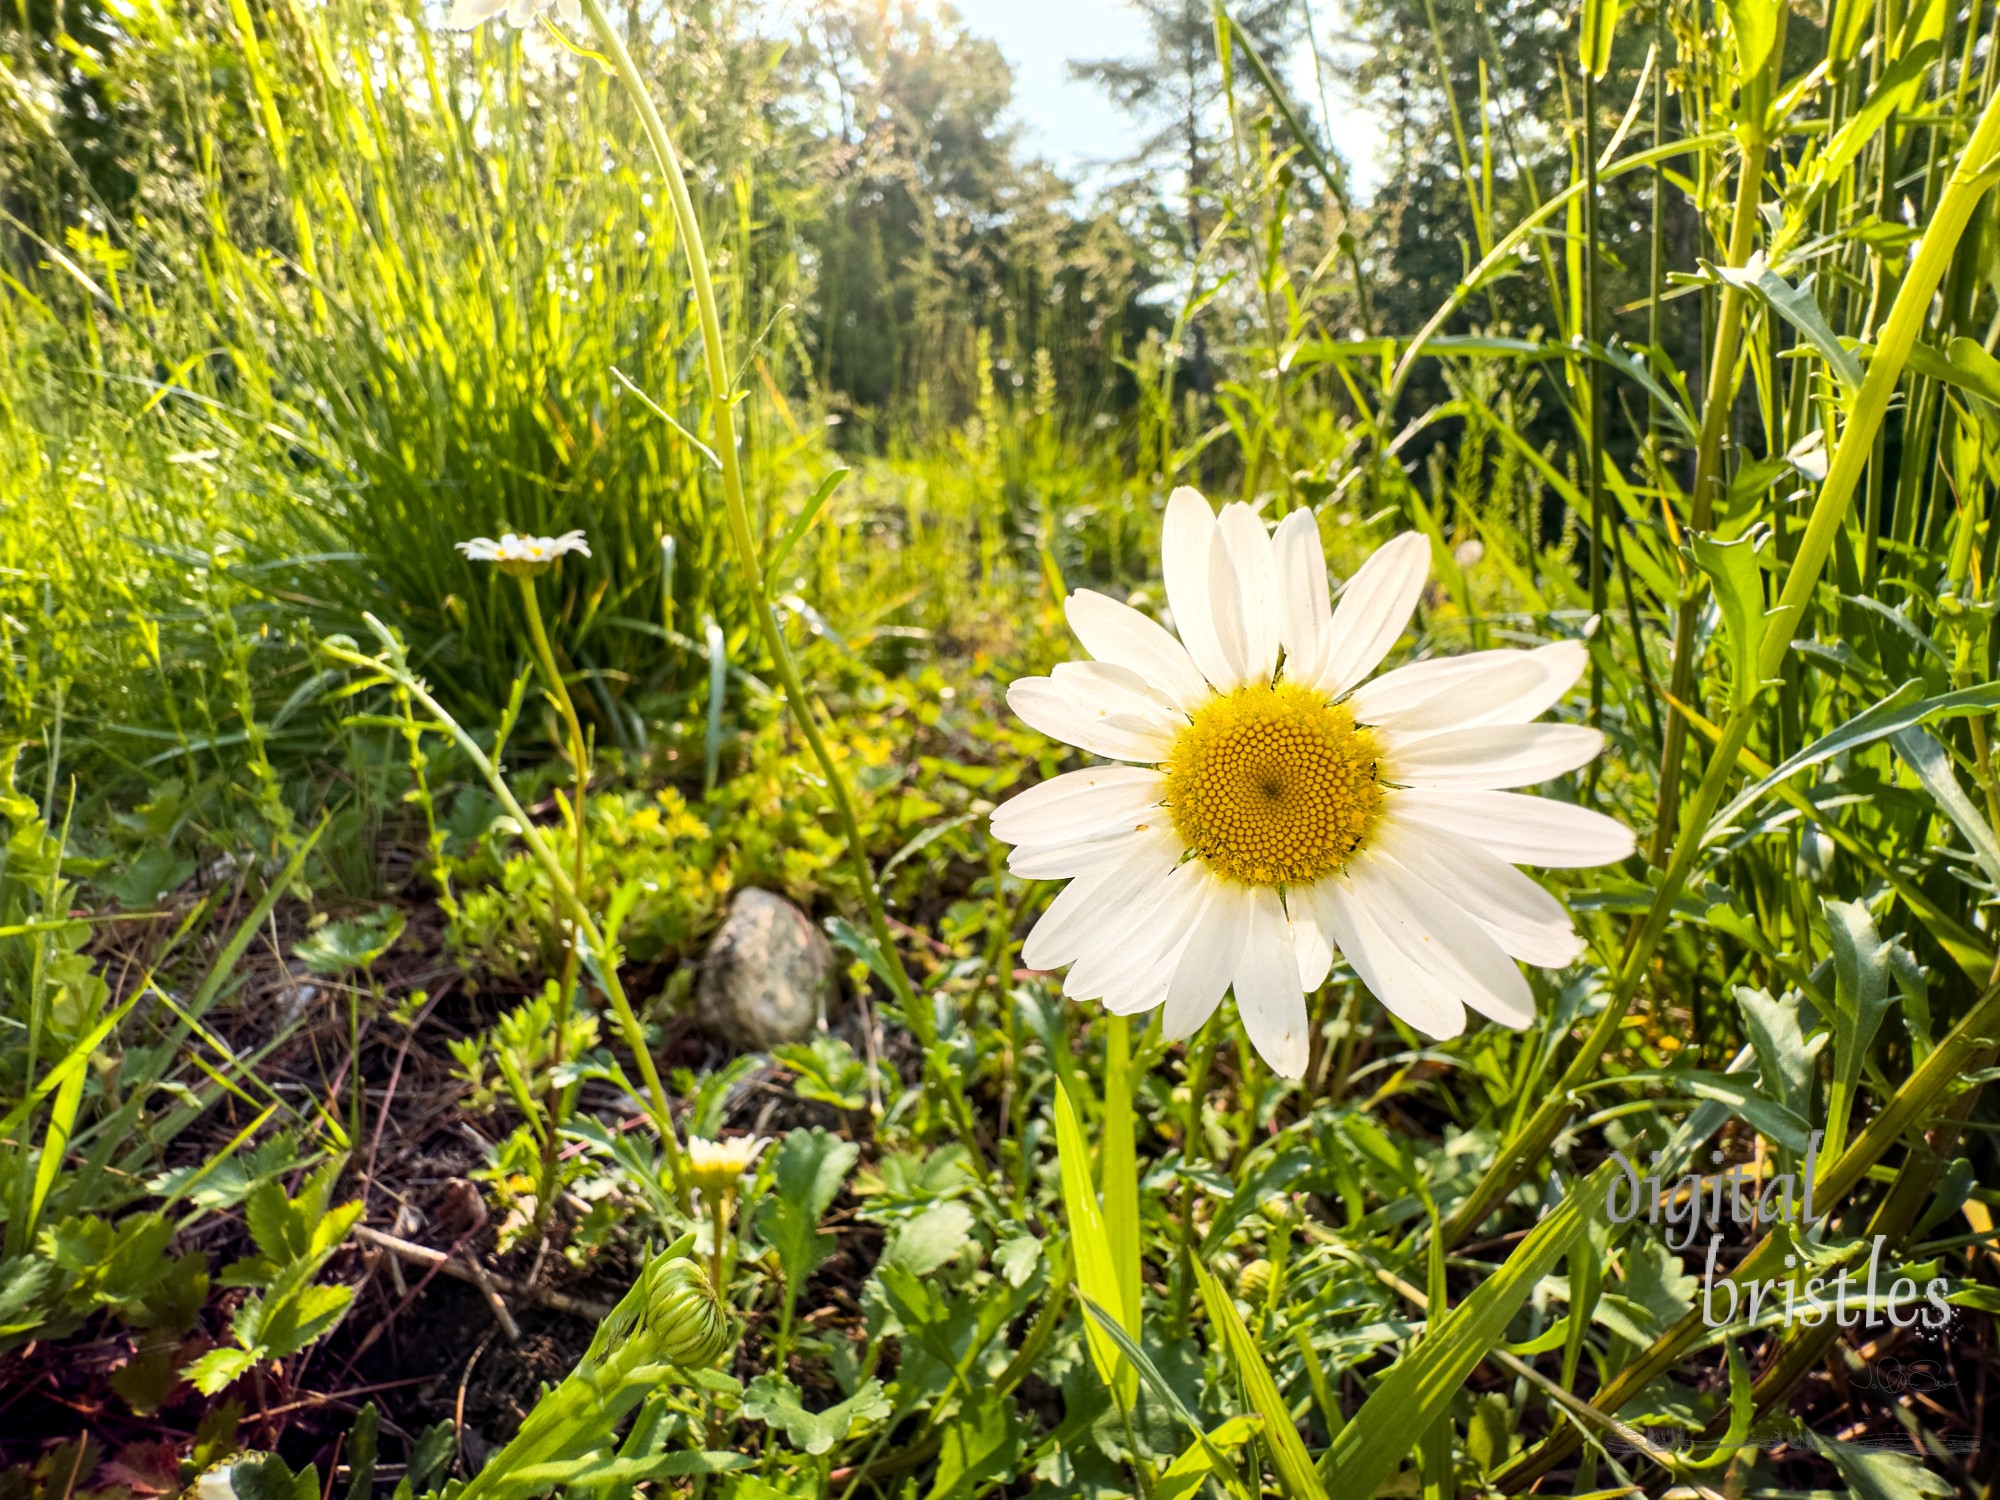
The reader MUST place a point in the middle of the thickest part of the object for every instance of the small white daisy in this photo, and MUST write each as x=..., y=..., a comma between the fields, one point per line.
x=717, y=1166
x=1276, y=807
x=466, y=14
x=524, y=556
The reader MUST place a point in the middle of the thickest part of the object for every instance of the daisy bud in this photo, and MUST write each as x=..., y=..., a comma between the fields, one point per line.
x=1280, y=1210
x=1253, y=1282
x=686, y=1318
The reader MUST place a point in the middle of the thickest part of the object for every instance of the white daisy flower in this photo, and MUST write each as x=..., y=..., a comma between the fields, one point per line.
x=1276, y=805
x=466, y=14
x=717, y=1166
x=524, y=556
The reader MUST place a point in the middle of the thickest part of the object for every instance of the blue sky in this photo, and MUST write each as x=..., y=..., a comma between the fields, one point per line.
x=1072, y=124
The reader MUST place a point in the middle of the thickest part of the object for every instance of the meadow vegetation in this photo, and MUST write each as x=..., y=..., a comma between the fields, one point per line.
x=358, y=1124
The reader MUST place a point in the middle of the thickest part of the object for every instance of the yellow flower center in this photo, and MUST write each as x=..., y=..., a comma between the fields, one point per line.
x=1272, y=785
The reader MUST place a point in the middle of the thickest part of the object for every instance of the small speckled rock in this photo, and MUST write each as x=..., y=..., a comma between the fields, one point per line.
x=768, y=975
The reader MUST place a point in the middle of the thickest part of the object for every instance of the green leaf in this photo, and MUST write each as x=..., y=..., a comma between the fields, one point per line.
x=1932, y=764
x=1742, y=1410
x=1118, y=1170
x=1142, y=1362
x=930, y=1239
x=1423, y=1382
x=1882, y=1473
x=1741, y=1096
x=1016, y=1257
x=1595, y=31
x=1784, y=1056
x=827, y=1071
x=802, y=522
x=149, y=877
x=1755, y=23
x=1883, y=101
x=1739, y=593
x=341, y=947
x=1860, y=999
x=808, y=1170
x=1294, y=1465
x=775, y=1401
x=982, y=1443
x=1206, y=1458
x=218, y=1367
x=1905, y=708
x=605, y=1469
x=1797, y=306
x=1096, y=1267
x=266, y=1477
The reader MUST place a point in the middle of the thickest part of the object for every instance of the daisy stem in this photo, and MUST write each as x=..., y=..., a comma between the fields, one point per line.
x=722, y=404
x=566, y=988
x=718, y=1252
x=394, y=665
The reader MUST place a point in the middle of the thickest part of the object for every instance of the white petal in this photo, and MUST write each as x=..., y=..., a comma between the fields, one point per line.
x=1492, y=755
x=1044, y=705
x=1486, y=687
x=466, y=14
x=1268, y=995
x=1409, y=991
x=1083, y=856
x=1064, y=929
x=1103, y=686
x=1313, y=941
x=1131, y=957
x=571, y=12
x=1064, y=924
x=1305, y=607
x=1225, y=602
x=1525, y=920
x=1373, y=610
x=1208, y=962
x=1520, y=829
x=1078, y=804
x=1564, y=661
x=1118, y=633
x=1185, y=538
x=1440, y=938
x=1248, y=546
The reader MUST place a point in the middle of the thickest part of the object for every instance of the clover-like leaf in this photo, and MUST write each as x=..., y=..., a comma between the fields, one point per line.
x=776, y=1402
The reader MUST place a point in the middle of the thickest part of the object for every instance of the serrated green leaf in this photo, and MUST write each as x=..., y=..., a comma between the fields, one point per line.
x=1739, y=593
x=776, y=1402
x=926, y=1241
x=1797, y=306
x=1785, y=1059
x=808, y=1170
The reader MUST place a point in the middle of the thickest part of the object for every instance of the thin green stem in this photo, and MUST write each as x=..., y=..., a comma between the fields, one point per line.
x=395, y=666
x=566, y=988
